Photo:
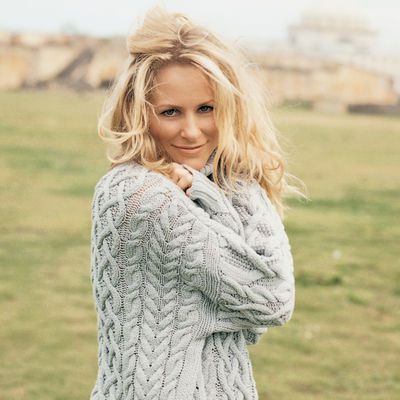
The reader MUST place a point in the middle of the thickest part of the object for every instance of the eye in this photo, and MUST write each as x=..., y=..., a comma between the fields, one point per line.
x=210, y=107
x=168, y=112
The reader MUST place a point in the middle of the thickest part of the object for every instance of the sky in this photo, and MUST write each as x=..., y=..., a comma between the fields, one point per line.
x=249, y=20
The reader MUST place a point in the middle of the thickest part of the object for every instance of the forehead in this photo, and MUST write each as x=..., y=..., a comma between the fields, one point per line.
x=181, y=83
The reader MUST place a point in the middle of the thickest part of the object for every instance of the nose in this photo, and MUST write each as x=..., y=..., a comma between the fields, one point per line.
x=190, y=128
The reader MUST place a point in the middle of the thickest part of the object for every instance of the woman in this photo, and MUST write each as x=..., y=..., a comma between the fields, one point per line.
x=190, y=259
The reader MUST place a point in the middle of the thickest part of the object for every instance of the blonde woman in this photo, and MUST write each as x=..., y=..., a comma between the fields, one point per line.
x=190, y=259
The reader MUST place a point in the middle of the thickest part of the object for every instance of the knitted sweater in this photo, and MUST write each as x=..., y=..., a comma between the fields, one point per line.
x=182, y=283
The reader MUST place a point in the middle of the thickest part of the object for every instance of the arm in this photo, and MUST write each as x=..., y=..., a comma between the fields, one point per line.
x=255, y=209
x=251, y=284
x=256, y=215
x=242, y=288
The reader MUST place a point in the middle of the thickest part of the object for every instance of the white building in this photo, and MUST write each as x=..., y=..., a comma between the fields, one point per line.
x=324, y=33
x=347, y=39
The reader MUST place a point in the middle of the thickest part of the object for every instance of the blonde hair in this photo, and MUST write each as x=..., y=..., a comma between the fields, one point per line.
x=247, y=145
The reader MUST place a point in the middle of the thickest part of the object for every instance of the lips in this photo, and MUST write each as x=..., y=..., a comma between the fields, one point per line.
x=191, y=151
x=189, y=148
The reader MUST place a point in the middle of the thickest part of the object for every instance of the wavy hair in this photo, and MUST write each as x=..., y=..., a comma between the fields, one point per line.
x=248, y=141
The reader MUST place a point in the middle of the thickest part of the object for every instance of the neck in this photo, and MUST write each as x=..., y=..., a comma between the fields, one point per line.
x=208, y=167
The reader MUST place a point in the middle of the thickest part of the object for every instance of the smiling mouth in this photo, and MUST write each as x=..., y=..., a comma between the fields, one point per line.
x=189, y=148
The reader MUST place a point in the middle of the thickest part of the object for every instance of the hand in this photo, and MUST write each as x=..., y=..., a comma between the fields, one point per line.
x=181, y=176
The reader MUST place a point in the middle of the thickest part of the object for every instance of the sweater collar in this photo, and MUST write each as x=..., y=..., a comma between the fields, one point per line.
x=208, y=167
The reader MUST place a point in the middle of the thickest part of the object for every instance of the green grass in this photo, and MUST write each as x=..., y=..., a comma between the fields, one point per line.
x=342, y=342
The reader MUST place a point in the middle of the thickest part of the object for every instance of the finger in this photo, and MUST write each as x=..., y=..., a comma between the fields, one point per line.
x=185, y=181
x=178, y=172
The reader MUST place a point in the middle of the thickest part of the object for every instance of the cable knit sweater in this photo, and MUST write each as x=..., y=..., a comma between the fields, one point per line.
x=182, y=283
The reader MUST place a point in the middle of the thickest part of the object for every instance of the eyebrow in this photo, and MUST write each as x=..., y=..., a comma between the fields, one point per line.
x=175, y=106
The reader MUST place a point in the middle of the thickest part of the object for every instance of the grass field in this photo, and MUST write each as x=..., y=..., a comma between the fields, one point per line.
x=343, y=341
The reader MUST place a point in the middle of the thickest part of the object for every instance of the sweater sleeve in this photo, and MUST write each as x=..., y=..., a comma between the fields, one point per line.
x=243, y=287
x=250, y=213
x=249, y=286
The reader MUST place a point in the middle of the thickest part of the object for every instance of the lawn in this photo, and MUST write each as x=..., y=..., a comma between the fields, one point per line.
x=343, y=340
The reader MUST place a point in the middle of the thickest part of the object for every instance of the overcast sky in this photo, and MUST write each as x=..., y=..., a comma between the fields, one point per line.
x=245, y=20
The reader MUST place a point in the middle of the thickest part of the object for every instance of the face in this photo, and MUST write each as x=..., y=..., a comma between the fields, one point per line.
x=184, y=114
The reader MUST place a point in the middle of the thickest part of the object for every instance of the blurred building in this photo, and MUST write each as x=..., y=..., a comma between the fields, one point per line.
x=329, y=61
x=34, y=60
x=345, y=39
x=332, y=34
x=294, y=77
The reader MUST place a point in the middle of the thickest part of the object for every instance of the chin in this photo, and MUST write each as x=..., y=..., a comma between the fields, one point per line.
x=194, y=164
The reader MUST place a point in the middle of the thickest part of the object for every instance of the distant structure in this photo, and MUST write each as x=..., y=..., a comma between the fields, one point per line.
x=332, y=34
x=44, y=61
x=346, y=39
x=329, y=63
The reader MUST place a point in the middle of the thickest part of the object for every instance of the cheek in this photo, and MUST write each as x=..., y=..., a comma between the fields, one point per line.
x=210, y=128
x=211, y=122
x=162, y=130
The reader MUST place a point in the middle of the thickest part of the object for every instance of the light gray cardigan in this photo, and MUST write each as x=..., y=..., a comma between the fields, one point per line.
x=182, y=284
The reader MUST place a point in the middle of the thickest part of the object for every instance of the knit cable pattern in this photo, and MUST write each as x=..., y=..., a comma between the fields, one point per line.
x=180, y=291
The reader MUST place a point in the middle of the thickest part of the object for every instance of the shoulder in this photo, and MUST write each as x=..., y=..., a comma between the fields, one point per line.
x=130, y=200
x=131, y=186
